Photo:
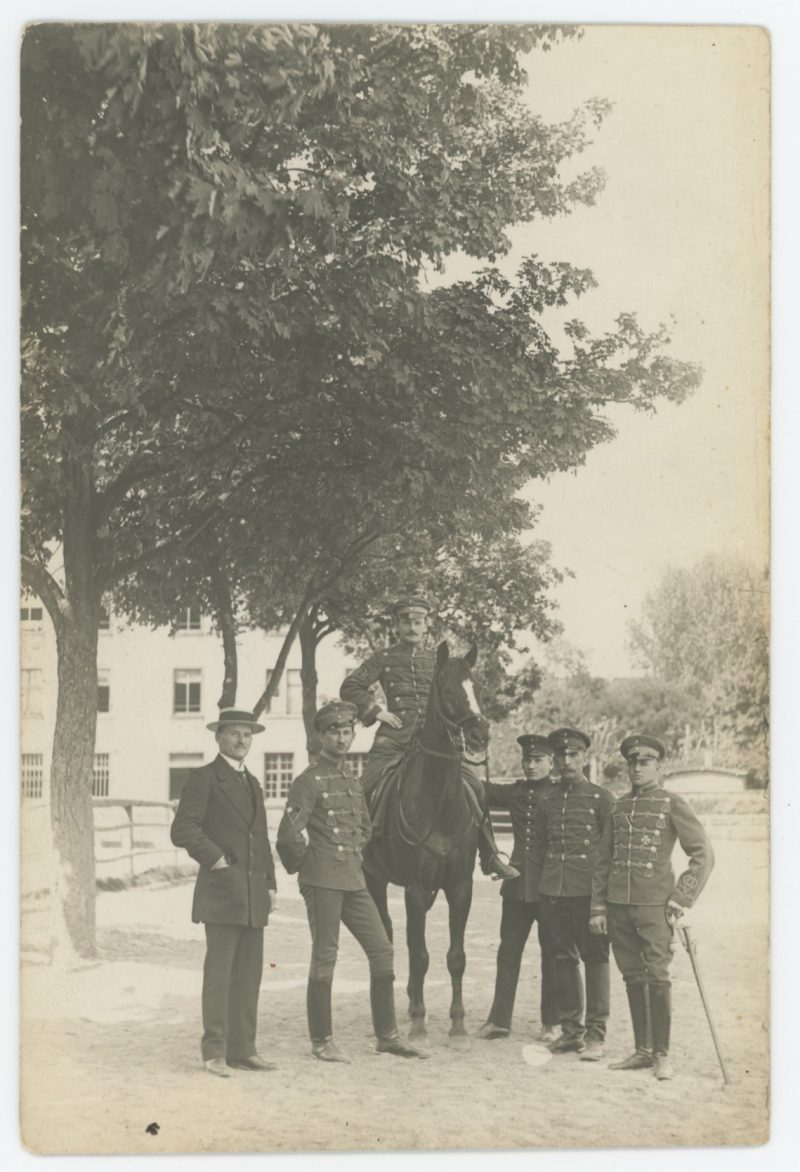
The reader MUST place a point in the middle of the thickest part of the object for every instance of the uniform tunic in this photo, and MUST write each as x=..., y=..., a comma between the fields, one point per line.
x=635, y=859
x=328, y=802
x=568, y=835
x=634, y=878
x=405, y=674
x=523, y=800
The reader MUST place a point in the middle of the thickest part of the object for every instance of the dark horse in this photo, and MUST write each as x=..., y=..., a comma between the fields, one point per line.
x=430, y=833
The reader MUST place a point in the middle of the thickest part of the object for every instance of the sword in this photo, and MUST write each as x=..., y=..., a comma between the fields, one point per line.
x=689, y=944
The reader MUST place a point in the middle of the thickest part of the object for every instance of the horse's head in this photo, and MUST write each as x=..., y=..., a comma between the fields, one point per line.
x=456, y=703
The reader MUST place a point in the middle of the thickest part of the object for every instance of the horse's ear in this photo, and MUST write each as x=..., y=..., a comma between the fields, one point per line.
x=471, y=658
x=442, y=654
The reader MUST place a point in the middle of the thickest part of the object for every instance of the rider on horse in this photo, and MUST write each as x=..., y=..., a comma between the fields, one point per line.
x=405, y=672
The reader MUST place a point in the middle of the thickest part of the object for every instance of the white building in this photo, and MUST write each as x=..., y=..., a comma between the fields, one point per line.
x=156, y=694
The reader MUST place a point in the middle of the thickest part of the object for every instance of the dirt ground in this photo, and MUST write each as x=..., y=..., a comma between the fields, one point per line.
x=112, y=1047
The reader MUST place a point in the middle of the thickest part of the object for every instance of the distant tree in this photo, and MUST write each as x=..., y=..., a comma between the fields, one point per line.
x=704, y=631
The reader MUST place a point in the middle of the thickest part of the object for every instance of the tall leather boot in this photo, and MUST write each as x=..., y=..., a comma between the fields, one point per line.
x=320, y=1028
x=384, y=1021
x=661, y=1020
x=638, y=1004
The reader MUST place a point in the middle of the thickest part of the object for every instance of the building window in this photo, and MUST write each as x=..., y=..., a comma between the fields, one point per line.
x=103, y=691
x=31, y=614
x=186, y=691
x=294, y=692
x=32, y=775
x=188, y=619
x=101, y=775
x=278, y=774
x=31, y=691
x=357, y=762
x=180, y=766
x=104, y=622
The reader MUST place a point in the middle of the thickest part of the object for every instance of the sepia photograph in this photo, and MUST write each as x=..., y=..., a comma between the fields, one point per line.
x=395, y=586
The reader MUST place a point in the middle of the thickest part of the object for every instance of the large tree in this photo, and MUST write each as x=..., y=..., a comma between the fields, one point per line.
x=224, y=229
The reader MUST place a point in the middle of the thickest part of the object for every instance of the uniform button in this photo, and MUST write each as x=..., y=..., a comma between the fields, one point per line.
x=586, y=842
x=589, y=826
x=340, y=847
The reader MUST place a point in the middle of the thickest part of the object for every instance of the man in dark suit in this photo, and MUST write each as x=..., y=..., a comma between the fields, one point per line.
x=222, y=823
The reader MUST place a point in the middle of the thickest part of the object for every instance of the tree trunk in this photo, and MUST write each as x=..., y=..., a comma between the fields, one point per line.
x=309, y=680
x=227, y=626
x=71, y=780
x=283, y=655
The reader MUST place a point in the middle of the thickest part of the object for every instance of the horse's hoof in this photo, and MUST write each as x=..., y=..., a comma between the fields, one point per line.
x=459, y=1042
x=417, y=1033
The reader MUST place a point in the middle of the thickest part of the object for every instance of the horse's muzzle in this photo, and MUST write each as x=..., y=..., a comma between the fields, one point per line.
x=476, y=735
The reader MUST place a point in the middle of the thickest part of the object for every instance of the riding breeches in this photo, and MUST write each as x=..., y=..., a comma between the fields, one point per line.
x=327, y=909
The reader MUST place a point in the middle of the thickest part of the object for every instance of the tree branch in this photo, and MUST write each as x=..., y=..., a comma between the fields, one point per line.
x=37, y=578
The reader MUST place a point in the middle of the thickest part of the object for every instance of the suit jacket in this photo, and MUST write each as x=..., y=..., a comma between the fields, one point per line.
x=217, y=816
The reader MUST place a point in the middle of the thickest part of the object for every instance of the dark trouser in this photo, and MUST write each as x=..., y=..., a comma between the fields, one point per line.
x=326, y=910
x=643, y=943
x=515, y=925
x=231, y=982
x=566, y=920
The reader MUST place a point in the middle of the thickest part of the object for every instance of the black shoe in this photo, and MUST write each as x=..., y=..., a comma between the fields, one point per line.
x=489, y=1031
x=638, y=1061
x=328, y=1051
x=399, y=1047
x=254, y=1062
x=567, y=1045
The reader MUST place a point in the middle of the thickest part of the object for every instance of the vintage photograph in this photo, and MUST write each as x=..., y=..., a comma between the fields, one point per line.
x=395, y=578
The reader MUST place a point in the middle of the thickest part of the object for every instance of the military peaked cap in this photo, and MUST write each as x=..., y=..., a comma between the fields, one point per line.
x=642, y=741
x=337, y=712
x=568, y=738
x=411, y=602
x=535, y=745
x=235, y=716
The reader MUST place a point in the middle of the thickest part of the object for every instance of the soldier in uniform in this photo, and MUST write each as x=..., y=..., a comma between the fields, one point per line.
x=405, y=672
x=222, y=823
x=321, y=836
x=636, y=899
x=574, y=815
x=521, y=896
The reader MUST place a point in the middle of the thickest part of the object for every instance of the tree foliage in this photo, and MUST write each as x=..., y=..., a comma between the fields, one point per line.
x=704, y=630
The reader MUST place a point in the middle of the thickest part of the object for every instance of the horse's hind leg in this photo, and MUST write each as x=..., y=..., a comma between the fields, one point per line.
x=459, y=900
x=417, y=902
x=378, y=890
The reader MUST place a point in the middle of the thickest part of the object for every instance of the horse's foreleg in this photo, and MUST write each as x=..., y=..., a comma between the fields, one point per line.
x=459, y=900
x=378, y=889
x=418, y=959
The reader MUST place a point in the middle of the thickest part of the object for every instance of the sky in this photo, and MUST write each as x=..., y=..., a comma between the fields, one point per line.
x=680, y=232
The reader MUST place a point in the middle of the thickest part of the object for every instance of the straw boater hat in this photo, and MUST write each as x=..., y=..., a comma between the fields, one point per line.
x=235, y=716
